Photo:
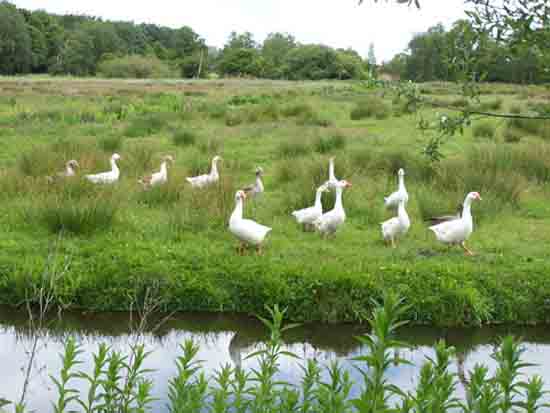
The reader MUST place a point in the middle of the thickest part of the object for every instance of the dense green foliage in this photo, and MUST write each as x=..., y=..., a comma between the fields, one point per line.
x=118, y=239
x=38, y=42
x=449, y=55
x=119, y=382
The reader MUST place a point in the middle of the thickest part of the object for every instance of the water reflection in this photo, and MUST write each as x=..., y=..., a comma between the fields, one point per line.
x=229, y=339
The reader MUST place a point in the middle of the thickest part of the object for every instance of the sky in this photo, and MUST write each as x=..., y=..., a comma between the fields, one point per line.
x=336, y=23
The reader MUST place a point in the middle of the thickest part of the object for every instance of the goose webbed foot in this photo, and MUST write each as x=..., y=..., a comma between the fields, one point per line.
x=467, y=251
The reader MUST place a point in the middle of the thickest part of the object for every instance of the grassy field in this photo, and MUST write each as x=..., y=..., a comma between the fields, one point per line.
x=104, y=246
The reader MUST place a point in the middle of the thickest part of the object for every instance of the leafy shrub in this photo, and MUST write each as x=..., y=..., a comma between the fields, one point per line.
x=372, y=107
x=135, y=67
x=111, y=143
x=330, y=143
x=184, y=137
x=484, y=130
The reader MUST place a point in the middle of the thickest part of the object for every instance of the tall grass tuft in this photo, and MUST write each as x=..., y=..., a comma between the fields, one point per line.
x=38, y=162
x=293, y=149
x=146, y=125
x=373, y=107
x=327, y=144
x=79, y=218
x=184, y=137
x=111, y=143
x=77, y=207
x=484, y=130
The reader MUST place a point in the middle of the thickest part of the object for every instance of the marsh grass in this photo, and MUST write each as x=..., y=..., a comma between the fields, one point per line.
x=66, y=214
x=511, y=134
x=512, y=179
x=297, y=109
x=211, y=146
x=146, y=125
x=535, y=127
x=39, y=162
x=293, y=149
x=493, y=104
x=235, y=117
x=111, y=143
x=372, y=107
x=332, y=143
x=484, y=130
x=168, y=193
x=184, y=137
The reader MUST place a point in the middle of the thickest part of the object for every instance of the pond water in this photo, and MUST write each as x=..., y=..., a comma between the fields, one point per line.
x=229, y=339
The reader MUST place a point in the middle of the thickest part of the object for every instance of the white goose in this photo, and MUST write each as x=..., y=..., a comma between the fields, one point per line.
x=332, y=181
x=329, y=222
x=247, y=231
x=397, y=226
x=457, y=231
x=202, y=181
x=392, y=201
x=107, y=177
x=159, y=177
x=308, y=216
x=67, y=173
x=258, y=187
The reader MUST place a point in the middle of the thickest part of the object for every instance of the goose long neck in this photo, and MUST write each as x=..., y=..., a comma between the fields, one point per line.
x=214, y=170
x=114, y=166
x=164, y=168
x=338, y=203
x=259, y=183
x=318, y=196
x=331, y=170
x=402, y=213
x=401, y=182
x=69, y=170
x=238, y=212
x=467, y=210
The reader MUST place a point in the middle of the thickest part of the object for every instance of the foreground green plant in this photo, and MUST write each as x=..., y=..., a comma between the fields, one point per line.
x=119, y=383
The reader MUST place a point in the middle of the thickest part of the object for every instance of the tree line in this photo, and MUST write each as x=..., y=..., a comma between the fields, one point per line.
x=40, y=42
x=448, y=55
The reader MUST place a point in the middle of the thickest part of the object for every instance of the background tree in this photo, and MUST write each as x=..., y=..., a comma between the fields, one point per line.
x=240, y=56
x=275, y=50
x=15, y=41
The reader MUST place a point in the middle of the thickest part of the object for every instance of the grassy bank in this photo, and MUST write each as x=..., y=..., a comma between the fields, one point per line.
x=115, y=242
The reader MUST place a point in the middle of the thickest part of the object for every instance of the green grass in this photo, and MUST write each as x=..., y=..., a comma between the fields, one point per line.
x=484, y=130
x=120, y=234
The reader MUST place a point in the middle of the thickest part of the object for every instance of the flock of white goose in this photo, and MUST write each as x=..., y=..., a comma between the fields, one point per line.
x=451, y=230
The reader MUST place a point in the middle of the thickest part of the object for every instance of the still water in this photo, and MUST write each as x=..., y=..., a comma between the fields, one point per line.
x=229, y=339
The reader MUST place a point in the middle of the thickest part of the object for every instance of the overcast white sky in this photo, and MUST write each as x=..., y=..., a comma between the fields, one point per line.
x=337, y=23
